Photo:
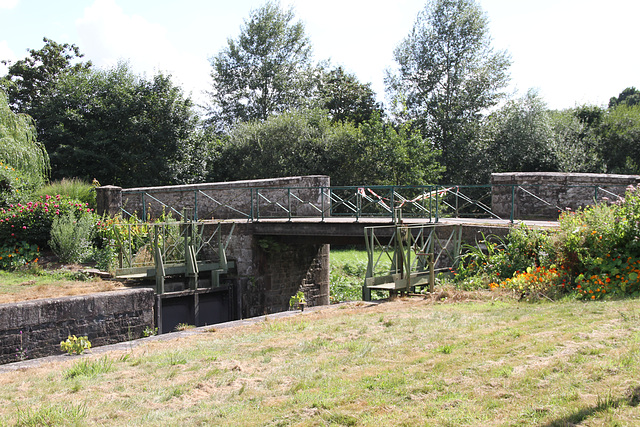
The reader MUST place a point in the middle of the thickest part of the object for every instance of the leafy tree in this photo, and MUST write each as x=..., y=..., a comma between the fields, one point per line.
x=117, y=127
x=31, y=80
x=576, y=139
x=262, y=72
x=448, y=75
x=520, y=136
x=620, y=133
x=24, y=163
x=307, y=142
x=345, y=98
x=630, y=96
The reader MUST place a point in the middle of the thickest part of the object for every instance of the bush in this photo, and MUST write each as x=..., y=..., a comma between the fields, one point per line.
x=536, y=283
x=31, y=222
x=72, y=237
x=17, y=255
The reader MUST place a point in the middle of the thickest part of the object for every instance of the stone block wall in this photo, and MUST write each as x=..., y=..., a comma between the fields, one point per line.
x=106, y=318
x=260, y=198
x=543, y=195
x=281, y=270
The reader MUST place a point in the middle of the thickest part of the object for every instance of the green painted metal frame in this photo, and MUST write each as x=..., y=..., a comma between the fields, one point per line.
x=414, y=252
x=426, y=202
x=173, y=248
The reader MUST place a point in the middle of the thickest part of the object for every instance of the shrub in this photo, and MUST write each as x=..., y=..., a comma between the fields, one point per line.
x=18, y=254
x=494, y=259
x=536, y=283
x=75, y=345
x=31, y=222
x=71, y=237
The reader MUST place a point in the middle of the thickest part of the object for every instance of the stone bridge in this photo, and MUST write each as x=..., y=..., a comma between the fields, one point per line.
x=284, y=226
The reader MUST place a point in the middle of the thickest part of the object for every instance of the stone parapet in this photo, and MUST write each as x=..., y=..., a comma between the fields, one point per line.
x=543, y=195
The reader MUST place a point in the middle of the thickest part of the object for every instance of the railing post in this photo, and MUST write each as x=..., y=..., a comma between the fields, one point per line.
x=437, y=204
x=595, y=200
x=144, y=209
x=195, y=205
x=392, y=204
x=322, y=201
x=513, y=197
x=289, y=202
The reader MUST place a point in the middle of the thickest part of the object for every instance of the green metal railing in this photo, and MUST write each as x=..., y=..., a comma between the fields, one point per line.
x=428, y=202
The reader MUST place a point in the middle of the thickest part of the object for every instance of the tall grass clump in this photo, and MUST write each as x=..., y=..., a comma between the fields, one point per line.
x=73, y=188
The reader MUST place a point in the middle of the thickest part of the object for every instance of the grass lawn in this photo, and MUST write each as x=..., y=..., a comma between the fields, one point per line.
x=480, y=360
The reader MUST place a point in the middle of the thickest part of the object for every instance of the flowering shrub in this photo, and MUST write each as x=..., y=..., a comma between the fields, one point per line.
x=13, y=185
x=522, y=248
x=599, y=247
x=31, y=222
x=536, y=283
x=16, y=255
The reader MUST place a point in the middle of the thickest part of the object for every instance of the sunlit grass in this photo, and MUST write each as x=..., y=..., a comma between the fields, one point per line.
x=413, y=362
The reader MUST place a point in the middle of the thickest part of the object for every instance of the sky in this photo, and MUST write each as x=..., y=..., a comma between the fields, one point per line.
x=573, y=52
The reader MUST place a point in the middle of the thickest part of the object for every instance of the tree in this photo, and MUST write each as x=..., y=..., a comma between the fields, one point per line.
x=345, y=98
x=630, y=96
x=29, y=81
x=448, y=76
x=262, y=72
x=620, y=133
x=24, y=163
x=117, y=127
x=304, y=142
x=520, y=136
x=576, y=139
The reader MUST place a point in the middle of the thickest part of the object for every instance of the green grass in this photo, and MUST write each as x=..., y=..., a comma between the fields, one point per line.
x=408, y=362
x=348, y=270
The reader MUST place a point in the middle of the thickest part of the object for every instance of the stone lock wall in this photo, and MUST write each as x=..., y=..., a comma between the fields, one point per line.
x=543, y=195
x=106, y=318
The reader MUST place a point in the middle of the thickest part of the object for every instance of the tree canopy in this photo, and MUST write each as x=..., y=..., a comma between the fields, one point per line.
x=264, y=71
x=448, y=75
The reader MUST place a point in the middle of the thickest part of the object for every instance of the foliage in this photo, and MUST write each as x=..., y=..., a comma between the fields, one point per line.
x=75, y=345
x=31, y=80
x=116, y=127
x=149, y=331
x=297, y=299
x=575, y=140
x=306, y=142
x=18, y=254
x=264, y=71
x=599, y=247
x=73, y=188
x=536, y=283
x=630, y=97
x=494, y=259
x=72, y=237
x=448, y=75
x=620, y=139
x=24, y=163
x=520, y=136
x=31, y=222
x=345, y=98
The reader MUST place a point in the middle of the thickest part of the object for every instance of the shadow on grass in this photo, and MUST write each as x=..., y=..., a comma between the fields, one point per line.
x=631, y=399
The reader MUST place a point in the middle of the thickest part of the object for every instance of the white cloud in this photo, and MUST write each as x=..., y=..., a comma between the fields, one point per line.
x=108, y=35
x=8, y=4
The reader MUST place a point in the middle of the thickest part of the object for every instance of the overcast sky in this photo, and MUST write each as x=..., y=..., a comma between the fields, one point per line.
x=572, y=51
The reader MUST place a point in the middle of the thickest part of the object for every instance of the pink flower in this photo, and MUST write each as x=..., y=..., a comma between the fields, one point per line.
x=24, y=227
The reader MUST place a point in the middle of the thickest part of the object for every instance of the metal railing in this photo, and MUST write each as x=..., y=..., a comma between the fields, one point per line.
x=429, y=202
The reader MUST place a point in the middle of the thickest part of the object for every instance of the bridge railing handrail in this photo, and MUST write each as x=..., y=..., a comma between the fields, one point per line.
x=431, y=202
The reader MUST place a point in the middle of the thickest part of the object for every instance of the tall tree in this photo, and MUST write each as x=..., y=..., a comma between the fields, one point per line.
x=448, y=75
x=263, y=71
x=30, y=80
x=117, y=127
x=345, y=98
